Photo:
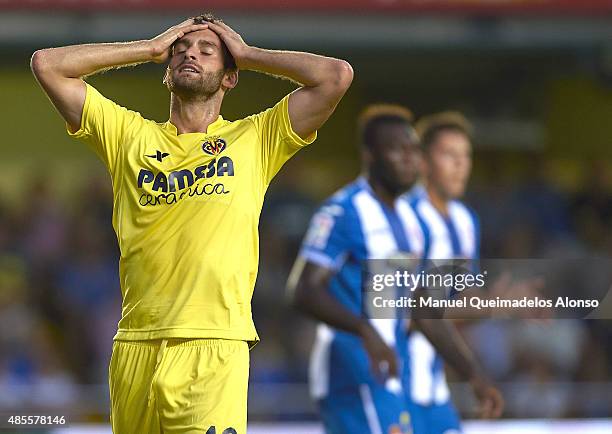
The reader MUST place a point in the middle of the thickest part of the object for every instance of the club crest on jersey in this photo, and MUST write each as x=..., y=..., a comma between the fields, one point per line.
x=214, y=146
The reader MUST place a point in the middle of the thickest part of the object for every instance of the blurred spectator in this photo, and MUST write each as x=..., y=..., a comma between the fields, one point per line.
x=592, y=209
x=42, y=226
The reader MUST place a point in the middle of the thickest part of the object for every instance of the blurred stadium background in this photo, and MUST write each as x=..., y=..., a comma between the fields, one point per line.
x=535, y=77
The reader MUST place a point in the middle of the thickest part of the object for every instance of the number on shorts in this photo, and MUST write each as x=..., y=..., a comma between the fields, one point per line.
x=213, y=430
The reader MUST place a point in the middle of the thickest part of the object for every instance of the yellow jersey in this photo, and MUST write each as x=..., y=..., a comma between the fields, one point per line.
x=186, y=211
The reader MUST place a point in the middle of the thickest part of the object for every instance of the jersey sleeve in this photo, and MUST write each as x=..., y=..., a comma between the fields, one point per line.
x=473, y=262
x=327, y=241
x=277, y=139
x=103, y=126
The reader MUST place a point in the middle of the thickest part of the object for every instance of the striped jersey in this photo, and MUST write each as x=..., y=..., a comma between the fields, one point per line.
x=350, y=228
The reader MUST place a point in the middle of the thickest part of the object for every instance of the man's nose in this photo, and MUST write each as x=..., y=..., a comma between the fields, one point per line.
x=190, y=53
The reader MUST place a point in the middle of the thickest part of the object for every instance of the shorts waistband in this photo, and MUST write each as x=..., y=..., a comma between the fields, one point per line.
x=180, y=342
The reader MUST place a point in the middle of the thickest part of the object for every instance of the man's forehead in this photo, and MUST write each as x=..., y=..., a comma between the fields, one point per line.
x=205, y=36
x=452, y=136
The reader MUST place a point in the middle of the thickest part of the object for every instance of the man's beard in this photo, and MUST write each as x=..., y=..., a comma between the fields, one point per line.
x=394, y=184
x=204, y=85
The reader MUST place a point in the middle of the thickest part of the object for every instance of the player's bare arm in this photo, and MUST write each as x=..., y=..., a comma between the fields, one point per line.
x=307, y=288
x=324, y=80
x=60, y=71
x=445, y=338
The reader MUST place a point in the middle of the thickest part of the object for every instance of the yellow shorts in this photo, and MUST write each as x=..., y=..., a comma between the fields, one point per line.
x=173, y=386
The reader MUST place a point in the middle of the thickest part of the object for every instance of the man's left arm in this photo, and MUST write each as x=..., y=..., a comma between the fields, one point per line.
x=446, y=339
x=323, y=80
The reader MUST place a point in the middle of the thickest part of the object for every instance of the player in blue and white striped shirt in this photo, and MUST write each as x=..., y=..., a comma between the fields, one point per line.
x=453, y=231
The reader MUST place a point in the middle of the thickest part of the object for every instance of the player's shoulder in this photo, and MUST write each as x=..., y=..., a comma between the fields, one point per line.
x=415, y=196
x=95, y=96
x=337, y=215
x=338, y=209
x=460, y=207
x=258, y=116
x=463, y=206
x=342, y=199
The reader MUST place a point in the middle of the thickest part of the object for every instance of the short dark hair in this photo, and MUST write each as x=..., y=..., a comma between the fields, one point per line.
x=429, y=127
x=374, y=116
x=229, y=63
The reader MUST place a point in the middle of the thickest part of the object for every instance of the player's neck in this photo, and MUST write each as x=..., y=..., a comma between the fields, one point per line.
x=384, y=194
x=194, y=115
x=439, y=202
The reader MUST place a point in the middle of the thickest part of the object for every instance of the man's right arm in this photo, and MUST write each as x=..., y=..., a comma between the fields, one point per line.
x=60, y=71
x=308, y=293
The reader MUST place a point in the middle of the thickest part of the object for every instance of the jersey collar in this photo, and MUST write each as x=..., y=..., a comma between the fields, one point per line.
x=218, y=123
x=363, y=183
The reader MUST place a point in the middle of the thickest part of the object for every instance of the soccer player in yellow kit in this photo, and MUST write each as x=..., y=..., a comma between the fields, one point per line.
x=187, y=199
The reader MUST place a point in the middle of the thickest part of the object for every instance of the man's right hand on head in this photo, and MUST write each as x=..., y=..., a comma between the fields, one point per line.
x=161, y=44
x=383, y=360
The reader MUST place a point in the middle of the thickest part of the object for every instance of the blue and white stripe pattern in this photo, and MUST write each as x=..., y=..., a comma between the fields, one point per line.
x=350, y=228
x=456, y=235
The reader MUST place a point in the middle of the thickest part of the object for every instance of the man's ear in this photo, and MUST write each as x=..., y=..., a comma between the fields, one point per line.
x=166, y=74
x=230, y=80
